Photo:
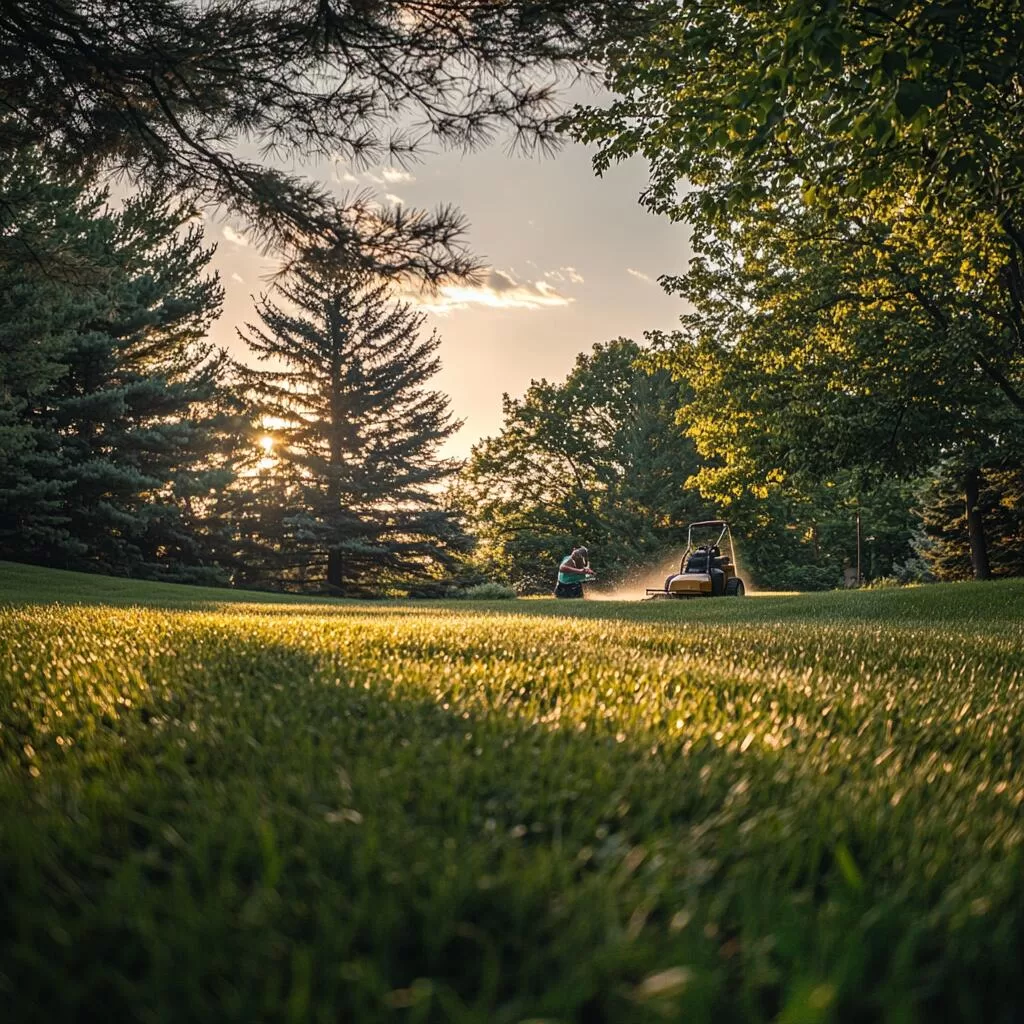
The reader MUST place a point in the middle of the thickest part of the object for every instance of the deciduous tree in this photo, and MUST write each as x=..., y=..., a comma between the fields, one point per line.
x=865, y=340
x=851, y=175
x=597, y=459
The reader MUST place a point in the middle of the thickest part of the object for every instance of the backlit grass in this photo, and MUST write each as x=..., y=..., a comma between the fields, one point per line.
x=789, y=809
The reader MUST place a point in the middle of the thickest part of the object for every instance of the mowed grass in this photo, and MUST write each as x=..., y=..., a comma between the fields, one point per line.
x=784, y=809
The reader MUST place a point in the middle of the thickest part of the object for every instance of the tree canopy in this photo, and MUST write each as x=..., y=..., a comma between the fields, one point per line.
x=736, y=105
x=111, y=405
x=864, y=342
x=178, y=95
x=736, y=96
x=596, y=459
x=851, y=173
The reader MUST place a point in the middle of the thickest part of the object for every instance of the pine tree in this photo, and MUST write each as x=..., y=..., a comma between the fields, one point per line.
x=117, y=432
x=997, y=491
x=137, y=410
x=356, y=432
x=39, y=314
x=172, y=92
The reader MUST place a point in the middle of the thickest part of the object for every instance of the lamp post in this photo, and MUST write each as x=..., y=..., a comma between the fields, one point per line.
x=858, y=545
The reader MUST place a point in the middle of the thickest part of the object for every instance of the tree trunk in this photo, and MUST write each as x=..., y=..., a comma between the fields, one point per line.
x=975, y=526
x=334, y=569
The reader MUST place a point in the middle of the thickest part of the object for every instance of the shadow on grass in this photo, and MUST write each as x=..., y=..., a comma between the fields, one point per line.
x=260, y=840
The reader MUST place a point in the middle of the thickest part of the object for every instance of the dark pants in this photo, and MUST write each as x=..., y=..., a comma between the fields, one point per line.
x=568, y=590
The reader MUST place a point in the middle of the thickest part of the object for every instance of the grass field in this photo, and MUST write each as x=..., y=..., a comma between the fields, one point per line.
x=222, y=807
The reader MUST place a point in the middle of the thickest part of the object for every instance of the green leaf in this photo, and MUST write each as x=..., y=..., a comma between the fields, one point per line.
x=912, y=97
x=909, y=98
x=894, y=63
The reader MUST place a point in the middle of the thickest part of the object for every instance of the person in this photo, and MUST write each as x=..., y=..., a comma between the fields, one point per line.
x=573, y=572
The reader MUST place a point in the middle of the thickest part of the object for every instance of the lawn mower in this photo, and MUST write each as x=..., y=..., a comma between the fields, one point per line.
x=704, y=571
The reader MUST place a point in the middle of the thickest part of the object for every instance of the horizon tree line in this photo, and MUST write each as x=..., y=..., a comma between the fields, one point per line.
x=131, y=446
x=855, y=340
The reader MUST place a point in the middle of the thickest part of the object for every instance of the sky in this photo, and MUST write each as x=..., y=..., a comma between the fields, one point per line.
x=573, y=260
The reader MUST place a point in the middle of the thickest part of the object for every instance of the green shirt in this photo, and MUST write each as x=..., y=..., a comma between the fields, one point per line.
x=570, y=577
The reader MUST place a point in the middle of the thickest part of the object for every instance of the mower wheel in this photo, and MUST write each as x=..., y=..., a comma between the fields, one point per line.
x=734, y=587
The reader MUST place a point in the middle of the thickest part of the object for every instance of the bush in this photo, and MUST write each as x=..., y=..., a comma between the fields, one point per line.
x=801, y=577
x=913, y=570
x=884, y=583
x=487, y=592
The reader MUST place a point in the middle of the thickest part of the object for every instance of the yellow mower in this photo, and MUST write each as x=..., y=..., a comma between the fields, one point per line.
x=704, y=571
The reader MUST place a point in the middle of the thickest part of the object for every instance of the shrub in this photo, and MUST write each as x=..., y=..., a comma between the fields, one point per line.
x=487, y=592
x=801, y=577
x=884, y=583
x=913, y=570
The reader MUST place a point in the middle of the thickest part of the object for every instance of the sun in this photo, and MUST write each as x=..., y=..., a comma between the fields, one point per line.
x=267, y=444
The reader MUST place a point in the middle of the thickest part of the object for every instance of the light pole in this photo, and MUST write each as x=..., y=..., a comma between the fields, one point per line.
x=858, y=545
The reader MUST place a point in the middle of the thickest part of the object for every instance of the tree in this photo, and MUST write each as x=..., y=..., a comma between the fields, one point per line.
x=142, y=420
x=355, y=434
x=38, y=315
x=844, y=342
x=596, y=459
x=110, y=389
x=819, y=103
x=804, y=536
x=955, y=501
x=173, y=93
x=852, y=174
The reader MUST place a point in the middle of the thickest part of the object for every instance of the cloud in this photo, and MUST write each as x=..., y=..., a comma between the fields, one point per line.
x=233, y=236
x=377, y=176
x=393, y=199
x=641, y=275
x=570, y=274
x=395, y=176
x=238, y=278
x=500, y=290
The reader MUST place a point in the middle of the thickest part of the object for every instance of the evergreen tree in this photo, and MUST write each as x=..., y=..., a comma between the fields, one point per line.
x=997, y=491
x=38, y=315
x=133, y=410
x=111, y=398
x=355, y=435
x=171, y=92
